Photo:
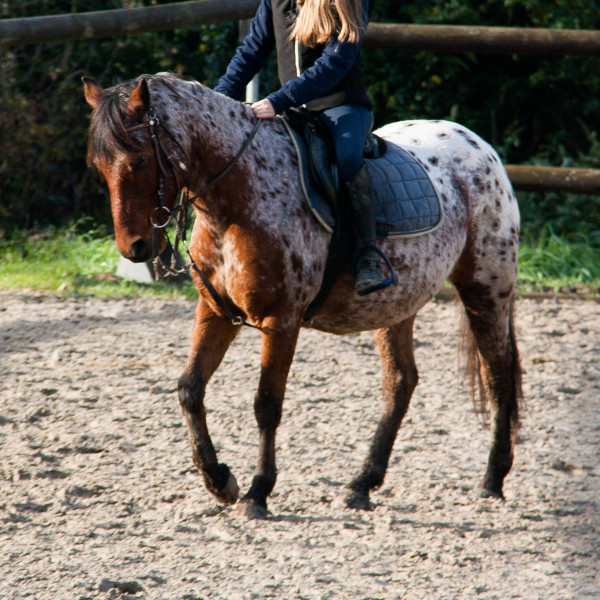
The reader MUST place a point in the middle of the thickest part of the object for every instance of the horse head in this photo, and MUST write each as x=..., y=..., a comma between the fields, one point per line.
x=125, y=147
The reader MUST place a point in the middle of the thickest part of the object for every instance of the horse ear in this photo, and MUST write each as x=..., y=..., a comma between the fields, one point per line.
x=93, y=91
x=139, y=101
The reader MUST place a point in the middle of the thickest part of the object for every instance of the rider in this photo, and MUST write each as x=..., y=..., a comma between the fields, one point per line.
x=318, y=44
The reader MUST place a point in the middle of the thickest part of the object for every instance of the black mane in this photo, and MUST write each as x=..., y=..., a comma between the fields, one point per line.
x=108, y=131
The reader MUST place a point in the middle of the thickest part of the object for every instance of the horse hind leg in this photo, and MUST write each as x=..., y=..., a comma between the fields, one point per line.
x=400, y=378
x=490, y=317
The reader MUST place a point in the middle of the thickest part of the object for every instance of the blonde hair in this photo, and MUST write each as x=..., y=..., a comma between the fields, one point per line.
x=319, y=20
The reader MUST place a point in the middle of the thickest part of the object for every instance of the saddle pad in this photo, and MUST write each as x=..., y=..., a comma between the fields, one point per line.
x=406, y=203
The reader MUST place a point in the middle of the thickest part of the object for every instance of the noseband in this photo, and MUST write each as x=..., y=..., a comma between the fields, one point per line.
x=161, y=216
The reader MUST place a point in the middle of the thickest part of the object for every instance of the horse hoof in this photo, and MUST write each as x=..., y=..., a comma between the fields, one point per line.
x=488, y=493
x=251, y=511
x=358, y=501
x=230, y=493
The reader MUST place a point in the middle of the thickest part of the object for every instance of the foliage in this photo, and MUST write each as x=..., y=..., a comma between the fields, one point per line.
x=525, y=106
x=544, y=110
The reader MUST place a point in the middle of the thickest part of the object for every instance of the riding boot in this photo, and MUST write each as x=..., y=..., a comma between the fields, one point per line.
x=367, y=272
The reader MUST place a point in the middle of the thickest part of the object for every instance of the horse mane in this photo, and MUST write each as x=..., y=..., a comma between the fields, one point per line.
x=109, y=133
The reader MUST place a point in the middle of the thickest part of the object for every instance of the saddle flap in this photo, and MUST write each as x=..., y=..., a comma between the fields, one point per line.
x=318, y=172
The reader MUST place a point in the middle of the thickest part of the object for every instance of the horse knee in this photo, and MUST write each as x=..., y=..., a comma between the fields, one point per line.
x=191, y=392
x=267, y=409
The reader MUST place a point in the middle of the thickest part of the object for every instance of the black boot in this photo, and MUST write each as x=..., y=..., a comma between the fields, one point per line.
x=367, y=272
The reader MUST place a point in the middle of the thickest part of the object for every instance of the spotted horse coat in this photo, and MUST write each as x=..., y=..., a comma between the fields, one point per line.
x=264, y=253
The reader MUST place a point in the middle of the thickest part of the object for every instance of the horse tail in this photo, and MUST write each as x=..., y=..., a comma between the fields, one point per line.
x=515, y=366
x=473, y=372
x=469, y=357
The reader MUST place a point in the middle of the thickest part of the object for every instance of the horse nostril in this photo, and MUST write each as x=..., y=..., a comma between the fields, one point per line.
x=139, y=251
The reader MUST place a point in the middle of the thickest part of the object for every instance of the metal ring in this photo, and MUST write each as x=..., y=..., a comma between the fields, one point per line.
x=157, y=224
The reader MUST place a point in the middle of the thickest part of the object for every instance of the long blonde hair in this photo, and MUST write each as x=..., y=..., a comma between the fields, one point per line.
x=318, y=21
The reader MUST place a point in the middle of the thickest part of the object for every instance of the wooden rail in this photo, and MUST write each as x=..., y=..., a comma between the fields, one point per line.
x=482, y=40
x=440, y=38
x=125, y=21
x=554, y=179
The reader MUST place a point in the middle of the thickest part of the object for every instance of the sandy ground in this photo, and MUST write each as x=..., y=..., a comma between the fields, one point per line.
x=100, y=499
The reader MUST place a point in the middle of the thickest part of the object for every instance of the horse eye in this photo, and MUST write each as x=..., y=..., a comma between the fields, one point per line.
x=139, y=161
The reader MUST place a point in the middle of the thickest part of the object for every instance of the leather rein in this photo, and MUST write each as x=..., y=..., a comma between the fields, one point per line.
x=161, y=216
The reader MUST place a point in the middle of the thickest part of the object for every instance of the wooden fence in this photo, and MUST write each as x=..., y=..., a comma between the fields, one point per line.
x=438, y=38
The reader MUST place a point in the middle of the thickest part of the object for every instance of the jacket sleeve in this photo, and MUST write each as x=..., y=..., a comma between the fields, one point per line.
x=328, y=70
x=251, y=55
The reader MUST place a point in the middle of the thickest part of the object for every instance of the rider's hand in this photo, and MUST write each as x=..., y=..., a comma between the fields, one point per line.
x=263, y=109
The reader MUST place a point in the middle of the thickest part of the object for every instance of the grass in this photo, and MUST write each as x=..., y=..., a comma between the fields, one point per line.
x=561, y=263
x=66, y=262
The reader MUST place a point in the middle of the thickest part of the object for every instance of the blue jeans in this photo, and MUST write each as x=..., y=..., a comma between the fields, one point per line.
x=349, y=126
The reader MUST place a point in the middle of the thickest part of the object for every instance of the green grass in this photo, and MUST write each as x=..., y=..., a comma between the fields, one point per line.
x=66, y=263
x=565, y=263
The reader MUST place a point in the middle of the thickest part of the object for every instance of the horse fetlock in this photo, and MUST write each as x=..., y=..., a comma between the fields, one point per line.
x=262, y=486
x=499, y=465
x=371, y=478
x=221, y=483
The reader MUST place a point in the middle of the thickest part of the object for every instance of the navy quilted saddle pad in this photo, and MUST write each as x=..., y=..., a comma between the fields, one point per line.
x=406, y=203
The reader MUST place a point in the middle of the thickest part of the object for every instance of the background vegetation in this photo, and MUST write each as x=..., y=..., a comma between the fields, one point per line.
x=536, y=110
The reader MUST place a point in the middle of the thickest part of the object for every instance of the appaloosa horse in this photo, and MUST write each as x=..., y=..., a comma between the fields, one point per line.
x=263, y=252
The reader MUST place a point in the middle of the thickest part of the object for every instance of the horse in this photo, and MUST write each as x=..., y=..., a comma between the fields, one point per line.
x=259, y=255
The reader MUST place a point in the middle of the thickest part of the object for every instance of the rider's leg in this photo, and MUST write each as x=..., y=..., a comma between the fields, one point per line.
x=349, y=126
x=367, y=272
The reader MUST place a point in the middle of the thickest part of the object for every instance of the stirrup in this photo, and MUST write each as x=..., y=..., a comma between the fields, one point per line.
x=391, y=280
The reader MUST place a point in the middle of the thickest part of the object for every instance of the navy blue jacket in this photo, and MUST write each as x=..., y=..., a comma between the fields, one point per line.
x=310, y=83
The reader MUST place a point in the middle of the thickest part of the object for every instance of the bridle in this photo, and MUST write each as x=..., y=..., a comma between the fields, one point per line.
x=161, y=216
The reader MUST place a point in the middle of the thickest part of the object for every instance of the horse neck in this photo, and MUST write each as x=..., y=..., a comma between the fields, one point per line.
x=211, y=129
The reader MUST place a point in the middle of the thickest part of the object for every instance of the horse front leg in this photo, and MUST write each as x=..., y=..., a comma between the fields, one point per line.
x=400, y=377
x=278, y=346
x=211, y=337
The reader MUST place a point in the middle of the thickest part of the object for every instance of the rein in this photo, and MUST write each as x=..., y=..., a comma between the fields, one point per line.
x=159, y=222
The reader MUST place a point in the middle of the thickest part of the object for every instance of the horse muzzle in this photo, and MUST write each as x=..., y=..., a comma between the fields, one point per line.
x=139, y=251
x=142, y=250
